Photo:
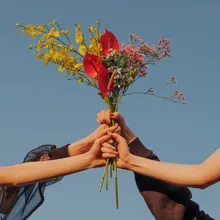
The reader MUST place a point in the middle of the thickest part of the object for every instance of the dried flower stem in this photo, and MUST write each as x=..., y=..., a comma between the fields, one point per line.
x=103, y=175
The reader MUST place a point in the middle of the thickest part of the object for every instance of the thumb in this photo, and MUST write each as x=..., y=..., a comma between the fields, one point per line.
x=103, y=139
x=113, y=128
x=102, y=127
x=118, y=138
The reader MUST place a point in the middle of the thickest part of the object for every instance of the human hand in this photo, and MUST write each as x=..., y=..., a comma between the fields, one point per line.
x=99, y=132
x=95, y=153
x=109, y=151
x=86, y=143
x=105, y=116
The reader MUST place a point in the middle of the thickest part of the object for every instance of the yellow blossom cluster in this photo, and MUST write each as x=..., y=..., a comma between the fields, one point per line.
x=94, y=46
x=55, y=46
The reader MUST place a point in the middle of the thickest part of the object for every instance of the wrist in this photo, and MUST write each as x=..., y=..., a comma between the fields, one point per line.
x=89, y=160
x=127, y=166
x=129, y=159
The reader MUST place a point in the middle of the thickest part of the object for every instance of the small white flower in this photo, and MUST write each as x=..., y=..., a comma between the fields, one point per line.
x=110, y=69
x=119, y=70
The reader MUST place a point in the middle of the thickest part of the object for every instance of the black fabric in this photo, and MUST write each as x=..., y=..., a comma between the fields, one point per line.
x=59, y=153
x=19, y=203
x=165, y=200
x=193, y=210
x=179, y=194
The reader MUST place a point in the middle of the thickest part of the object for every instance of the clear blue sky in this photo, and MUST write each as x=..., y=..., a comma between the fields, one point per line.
x=39, y=105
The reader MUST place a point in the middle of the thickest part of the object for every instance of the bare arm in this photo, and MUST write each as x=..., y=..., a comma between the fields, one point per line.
x=198, y=176
x=32, y=172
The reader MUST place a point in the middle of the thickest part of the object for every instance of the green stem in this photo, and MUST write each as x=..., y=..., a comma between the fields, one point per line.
x=107, y=177
x=116, y=183
x=111, y=169
x=63, y=33
x=103, y=175
x=113, y=106
x=169, y=98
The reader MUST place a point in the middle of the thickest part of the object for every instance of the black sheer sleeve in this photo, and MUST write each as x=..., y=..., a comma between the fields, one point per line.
x=18, y=203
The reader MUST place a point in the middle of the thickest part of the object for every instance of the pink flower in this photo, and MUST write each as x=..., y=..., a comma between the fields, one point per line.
x=176, y=93
x=185, y=103
x=173, y=79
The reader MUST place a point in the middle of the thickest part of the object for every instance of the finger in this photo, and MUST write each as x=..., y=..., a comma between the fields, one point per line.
x=118, y=130
x=107, y=155
x=102, y=116
x=109, y=151
x=110, y=141
x=109, y=146
x=98, y=121
x=118, y=138
x=101, y=120
x=113, y=128
x=103, y=132
x=103, y=111
x=103, y=127
x=106, y=130
x=107, y=117
x=103, y=139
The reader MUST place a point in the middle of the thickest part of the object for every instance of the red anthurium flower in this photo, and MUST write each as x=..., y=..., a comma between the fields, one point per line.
x=92, y=64
x=108, y=41
x=103, y=80
x=105, y=84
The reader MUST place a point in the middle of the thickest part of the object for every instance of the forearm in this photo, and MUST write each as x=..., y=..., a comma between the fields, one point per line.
x=78, y=147
x=69, y=150
x=187, y=175
x=28, y=173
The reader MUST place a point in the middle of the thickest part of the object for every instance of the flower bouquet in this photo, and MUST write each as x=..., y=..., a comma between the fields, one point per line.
x=101, y=62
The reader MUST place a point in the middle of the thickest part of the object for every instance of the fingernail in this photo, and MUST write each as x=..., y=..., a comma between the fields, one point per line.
x=111, y=114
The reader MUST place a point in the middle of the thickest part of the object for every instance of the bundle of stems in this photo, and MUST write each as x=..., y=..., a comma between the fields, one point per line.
x=111, y=163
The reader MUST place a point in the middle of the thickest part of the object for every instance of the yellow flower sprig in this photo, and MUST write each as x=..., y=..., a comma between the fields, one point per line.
x=60, y=53
x=95, y=46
